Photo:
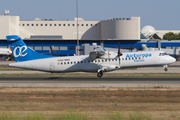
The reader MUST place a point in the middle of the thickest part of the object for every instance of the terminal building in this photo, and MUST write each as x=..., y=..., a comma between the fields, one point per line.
x=40, y=34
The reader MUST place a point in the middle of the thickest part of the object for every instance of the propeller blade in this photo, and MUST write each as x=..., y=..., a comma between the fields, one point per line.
x=119, y=53
x=118, y=49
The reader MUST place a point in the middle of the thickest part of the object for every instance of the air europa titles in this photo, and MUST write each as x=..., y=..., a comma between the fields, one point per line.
x=138, y=55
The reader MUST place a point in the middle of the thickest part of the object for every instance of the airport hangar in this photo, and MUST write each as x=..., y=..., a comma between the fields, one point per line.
x=40, y=34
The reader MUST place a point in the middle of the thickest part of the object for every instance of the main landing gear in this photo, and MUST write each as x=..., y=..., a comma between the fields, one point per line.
x=165, y=67
x=100, y=74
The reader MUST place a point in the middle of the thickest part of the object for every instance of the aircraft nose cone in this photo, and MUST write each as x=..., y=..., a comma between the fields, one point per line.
x=173, y=60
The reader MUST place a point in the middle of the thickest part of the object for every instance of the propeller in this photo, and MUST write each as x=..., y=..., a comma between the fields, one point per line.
x=119, y=53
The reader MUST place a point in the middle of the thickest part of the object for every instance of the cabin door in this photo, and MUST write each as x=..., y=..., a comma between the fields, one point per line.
x=52, y=66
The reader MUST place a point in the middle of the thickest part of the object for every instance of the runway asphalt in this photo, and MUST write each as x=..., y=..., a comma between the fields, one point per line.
x=90, y=82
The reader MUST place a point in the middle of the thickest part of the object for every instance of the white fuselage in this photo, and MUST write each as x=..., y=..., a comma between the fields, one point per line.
x=86, y=64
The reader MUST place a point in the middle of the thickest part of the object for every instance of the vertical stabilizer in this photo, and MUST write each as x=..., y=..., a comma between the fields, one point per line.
x=20, y=50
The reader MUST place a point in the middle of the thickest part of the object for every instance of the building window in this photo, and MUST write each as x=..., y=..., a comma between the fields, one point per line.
x=91, y=24
x=22, y=24
x=32, y=24
x=50, y=25
x=59, y=24
x=41, y=24
x=54, y=24
x=86, y=24
x=27, y=24
x=82, y=25
x=3, y=46
x=46, y=47
x=72, y=24
x=45, y=24
x=37, y=48
x=95, y=24
x=77, y=24
x=36, y=24
x=68, y=24
x=56, y=48
x=63, y=47
x=30, y=47
x=72, y=48
x=64, y=24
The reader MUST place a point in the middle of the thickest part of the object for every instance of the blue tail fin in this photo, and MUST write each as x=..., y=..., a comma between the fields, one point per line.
x=21, y=52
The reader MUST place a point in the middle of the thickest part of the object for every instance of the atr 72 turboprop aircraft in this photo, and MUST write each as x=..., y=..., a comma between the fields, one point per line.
x=99, y=60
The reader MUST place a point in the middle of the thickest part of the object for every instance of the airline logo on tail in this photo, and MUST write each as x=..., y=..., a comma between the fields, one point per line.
x=20, y=51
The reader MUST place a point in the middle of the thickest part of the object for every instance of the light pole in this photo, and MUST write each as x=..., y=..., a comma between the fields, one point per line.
x=77, y=28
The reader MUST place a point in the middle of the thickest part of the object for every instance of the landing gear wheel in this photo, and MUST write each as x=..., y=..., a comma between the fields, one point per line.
x=165, y=69
x=100, y=74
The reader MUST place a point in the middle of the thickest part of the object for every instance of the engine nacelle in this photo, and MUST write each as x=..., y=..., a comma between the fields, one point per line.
x=109, y=55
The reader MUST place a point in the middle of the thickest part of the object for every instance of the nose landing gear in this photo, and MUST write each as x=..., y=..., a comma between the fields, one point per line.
x=165, y=67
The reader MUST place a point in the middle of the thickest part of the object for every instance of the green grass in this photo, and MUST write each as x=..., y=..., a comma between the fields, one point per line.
x=76, y=116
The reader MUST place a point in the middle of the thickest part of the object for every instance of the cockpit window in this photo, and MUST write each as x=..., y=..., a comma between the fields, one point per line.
x=162, y=54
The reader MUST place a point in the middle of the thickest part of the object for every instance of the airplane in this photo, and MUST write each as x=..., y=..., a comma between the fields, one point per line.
x=99, y=60
x=5, y=51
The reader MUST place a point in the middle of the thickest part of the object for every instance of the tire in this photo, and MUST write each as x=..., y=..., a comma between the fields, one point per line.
x=100, y=74
x=165, y=69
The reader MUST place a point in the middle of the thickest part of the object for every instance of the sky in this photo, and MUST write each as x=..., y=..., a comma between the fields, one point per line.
x=161, y=14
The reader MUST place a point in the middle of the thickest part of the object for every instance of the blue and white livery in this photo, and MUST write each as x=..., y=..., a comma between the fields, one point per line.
x=99, y=60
